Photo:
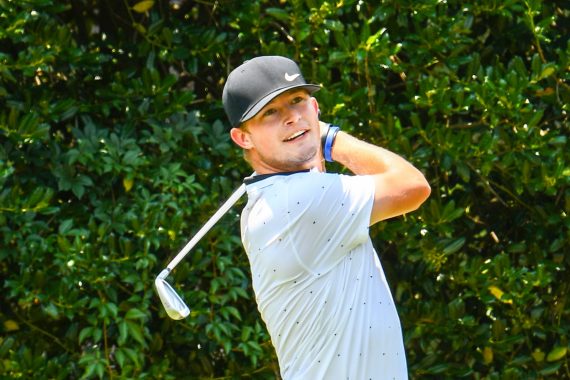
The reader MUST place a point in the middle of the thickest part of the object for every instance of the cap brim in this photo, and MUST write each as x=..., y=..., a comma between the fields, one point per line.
x=269, y=97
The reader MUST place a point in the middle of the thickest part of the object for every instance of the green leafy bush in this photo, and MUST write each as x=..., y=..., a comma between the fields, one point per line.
x=114, y=151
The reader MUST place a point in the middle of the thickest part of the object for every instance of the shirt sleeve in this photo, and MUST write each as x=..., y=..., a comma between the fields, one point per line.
x=331, y=215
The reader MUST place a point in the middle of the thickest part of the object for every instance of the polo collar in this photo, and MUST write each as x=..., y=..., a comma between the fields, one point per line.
x=260, y=177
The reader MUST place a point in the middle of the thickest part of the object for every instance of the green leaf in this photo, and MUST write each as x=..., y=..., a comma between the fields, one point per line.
x=550, y=369
x=439, y=368
x=246, y=333
x=135, y=314
x=339, y=56
x=517, y=247
x=454, y=246
x=85, y=333
x=450, y=212
x=52, y=311
x=132, y=354
x=136, y=332
x=100, y=369
x=120, y=356
x=139, y=28
x=558, y=140
x=65, y=226
x=233, y=311
x=123, y=331
x=334, y=25
x=557, y=244
x=113, y=310
x=78, y=190
x=278, y=13
x=547, y=70
x=97, y=334
x=536, y=117
x=63, y=244
x=6, y=344
x=464, y=172
x=373, y=39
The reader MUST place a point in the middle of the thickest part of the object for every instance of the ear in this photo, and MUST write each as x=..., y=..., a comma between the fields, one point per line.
x=241, y=138
x=315, y=105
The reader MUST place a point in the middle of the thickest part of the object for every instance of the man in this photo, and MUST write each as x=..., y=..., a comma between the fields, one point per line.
x=318, y=282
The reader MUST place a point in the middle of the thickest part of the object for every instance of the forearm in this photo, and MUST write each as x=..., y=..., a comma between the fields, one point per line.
x=363, y=158
x=399, y=186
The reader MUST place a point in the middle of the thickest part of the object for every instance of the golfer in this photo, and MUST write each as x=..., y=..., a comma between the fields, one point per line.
x=318, y=282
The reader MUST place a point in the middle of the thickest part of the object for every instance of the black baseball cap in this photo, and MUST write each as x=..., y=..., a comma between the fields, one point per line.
x=256, y=82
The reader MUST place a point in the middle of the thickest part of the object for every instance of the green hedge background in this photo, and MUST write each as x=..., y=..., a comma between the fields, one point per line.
x=114, y=151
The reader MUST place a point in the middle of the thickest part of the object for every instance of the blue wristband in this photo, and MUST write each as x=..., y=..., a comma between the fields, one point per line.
x=327, y=149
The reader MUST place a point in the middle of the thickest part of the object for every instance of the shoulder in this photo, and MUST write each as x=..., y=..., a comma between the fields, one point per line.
x=313, y=185
x=322, y=189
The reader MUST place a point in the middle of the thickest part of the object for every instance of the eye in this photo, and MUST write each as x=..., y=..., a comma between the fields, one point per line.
x=297, y=99
x=269, y=112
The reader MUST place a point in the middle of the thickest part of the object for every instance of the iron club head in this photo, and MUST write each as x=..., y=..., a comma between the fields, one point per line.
x=173, y=304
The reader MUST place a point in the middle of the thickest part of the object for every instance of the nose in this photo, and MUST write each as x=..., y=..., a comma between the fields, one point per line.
x=292, y=115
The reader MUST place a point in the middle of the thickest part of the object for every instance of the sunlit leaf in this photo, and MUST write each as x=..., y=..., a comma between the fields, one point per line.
x=538, y=355
x=128, y=184
x=498, y=293
x=487, y=355
x=143, y=6
x=11, y=325
x=557, y=353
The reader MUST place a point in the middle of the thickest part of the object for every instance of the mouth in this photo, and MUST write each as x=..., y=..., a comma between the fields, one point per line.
x=296, y=135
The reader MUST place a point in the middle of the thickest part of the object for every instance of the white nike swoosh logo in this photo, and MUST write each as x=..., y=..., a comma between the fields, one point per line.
x=291, y=78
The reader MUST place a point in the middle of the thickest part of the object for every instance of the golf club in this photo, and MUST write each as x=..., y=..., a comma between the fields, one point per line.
x=172, y=302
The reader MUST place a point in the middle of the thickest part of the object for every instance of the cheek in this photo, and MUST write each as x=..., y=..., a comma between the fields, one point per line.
x=262, y=141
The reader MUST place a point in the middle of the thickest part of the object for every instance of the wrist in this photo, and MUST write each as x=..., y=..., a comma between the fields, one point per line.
x=327, y=141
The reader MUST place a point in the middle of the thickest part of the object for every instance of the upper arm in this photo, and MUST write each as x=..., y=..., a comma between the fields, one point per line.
x=397, y=193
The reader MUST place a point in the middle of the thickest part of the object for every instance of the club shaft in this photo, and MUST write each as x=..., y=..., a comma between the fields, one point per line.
x=207, y=227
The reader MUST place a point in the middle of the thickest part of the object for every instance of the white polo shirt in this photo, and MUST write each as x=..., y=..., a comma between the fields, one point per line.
x=318, y=282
